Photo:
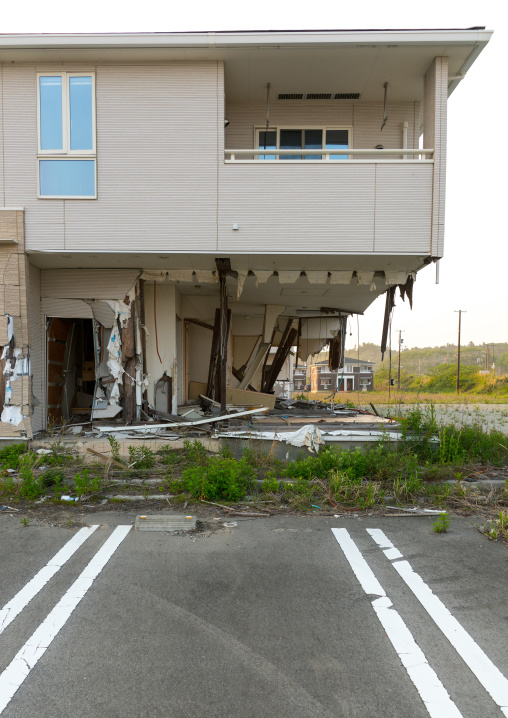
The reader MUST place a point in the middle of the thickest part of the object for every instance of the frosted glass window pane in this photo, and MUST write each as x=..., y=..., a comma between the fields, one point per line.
x=50, y=93
x=337, y=140
x=267, y=141
x=80, y=100
x=67, y=178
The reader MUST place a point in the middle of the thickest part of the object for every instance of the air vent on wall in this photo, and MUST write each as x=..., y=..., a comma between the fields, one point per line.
x=346, y=96
x=318, y=96
x=290, y=95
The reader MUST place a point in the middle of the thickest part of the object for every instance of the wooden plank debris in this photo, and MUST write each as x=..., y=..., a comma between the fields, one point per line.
x=107, y=459
x=208, y=420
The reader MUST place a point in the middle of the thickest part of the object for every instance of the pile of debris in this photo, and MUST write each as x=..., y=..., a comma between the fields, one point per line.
x=315, y=406
x=294, y=423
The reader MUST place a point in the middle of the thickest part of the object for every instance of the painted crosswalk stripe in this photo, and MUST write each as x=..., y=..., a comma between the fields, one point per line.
x=23, y=662
x=432, y=692
x=14, y=607
x=487, y=673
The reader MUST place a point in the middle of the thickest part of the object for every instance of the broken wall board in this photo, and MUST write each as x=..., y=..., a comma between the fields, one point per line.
x=255, y=362
x=209, y=420
x=87, y=283
x=237, y=397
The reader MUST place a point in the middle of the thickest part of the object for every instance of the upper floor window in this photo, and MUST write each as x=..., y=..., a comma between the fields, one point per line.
x=66, y=122
x=307, y=138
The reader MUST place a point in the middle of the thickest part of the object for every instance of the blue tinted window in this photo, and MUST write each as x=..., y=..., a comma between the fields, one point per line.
x=80, y=102
x=337, y=140
x=291, y=140
x=67, y=178
x=267, y=141
x=50, y=91
x=313, y=141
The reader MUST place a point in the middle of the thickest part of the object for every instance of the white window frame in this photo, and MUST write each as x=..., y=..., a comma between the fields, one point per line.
x=325, y=156
x=66, y=153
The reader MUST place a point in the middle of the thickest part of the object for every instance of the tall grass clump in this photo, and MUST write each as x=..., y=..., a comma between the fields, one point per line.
x=219, y=478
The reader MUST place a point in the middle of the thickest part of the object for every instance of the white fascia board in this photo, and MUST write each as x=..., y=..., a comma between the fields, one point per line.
x=247, y=39
x=468, y=63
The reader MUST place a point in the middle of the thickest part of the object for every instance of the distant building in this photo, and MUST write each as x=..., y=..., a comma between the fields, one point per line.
x=300, y=378
x=356, y=375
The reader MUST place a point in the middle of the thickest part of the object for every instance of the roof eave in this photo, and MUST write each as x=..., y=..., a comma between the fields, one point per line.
x=475, y=37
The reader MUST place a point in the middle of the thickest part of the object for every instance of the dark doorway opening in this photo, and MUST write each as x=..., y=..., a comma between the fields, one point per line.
x=70, y=368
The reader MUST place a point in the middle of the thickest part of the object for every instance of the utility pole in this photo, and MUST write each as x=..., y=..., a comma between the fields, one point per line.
x=390, y=363
x=460, y=312
x=398, y=372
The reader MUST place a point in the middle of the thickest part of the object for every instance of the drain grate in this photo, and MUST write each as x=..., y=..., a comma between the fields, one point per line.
x=165, y=522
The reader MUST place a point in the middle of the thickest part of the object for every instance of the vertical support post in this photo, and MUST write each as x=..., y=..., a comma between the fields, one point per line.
x=141, y=290
x=434, y=137
x=129, y=365
x=212, y=368
x=223, y=340
x=223, y=267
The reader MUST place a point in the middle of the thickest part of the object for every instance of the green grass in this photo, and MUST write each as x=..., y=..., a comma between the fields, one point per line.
x=409, y=472
x=442, y=524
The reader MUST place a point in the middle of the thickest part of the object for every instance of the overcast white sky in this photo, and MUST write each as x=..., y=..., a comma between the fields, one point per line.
x=473, y=272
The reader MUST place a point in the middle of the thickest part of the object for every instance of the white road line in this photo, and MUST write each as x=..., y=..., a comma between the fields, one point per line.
x=432, y=692
x=23, y=662
x=11, y=609
x=487, y=673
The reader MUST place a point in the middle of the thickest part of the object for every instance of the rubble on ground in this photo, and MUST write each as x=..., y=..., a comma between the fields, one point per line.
x=300, y=423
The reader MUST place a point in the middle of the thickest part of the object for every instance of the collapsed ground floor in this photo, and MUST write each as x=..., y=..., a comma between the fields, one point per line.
x=121, y=337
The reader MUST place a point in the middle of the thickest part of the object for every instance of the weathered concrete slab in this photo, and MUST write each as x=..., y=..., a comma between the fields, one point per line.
x=165, y=522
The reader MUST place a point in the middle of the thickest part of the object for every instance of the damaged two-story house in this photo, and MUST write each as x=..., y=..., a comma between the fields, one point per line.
x=175, y=205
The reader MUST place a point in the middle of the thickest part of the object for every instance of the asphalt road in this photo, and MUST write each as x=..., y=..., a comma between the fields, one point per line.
x=285, y=617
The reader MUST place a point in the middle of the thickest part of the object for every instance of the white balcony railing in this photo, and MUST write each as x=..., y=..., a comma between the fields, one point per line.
x=347, y=155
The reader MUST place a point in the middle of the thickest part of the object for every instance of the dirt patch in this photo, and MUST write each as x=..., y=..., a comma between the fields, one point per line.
x=77, y=515
x=210, y=519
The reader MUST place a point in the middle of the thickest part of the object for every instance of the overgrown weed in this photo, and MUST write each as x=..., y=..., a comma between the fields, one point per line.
x=408, y=471
x=219, y=478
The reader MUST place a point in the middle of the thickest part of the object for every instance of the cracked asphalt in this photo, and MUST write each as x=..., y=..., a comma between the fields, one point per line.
x=265, y=618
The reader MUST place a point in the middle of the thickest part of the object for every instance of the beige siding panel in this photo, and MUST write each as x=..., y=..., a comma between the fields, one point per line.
x=157, y=154
x=297, y=208
x=403, y=208
x=66, y=308
x=368, y=119
x=44, y=219
x=36, y=332
x=87, y=283
x=365, y=118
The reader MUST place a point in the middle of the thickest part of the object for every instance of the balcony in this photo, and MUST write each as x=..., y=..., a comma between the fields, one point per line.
x=367, y=202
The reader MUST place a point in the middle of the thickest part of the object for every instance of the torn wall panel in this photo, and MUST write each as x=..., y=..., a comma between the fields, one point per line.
x=37, y=349
x=66, y=308
x=87, y=283
x=162, y=347
x=102, y=313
